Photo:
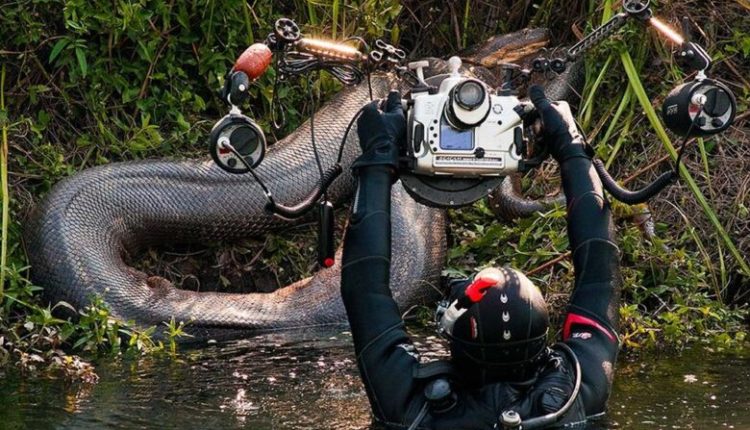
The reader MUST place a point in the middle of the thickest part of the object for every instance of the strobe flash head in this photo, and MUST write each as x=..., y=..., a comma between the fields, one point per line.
x=468, y=104
x=699, y=108
x=237, y=136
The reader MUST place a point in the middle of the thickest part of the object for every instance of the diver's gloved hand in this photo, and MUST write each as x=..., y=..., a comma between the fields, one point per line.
x=381, y=133
x=560, y=132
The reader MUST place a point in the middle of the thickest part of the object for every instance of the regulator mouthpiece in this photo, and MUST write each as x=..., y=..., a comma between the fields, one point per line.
x=448, y=313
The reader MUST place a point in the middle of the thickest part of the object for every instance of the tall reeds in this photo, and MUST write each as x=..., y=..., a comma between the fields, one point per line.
x=4, y=186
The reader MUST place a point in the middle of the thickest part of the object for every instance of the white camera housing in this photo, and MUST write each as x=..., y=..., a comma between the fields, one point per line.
x=447, y=137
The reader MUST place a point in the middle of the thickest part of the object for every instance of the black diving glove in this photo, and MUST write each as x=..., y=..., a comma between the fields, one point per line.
x=381, y=133
x=560, y=132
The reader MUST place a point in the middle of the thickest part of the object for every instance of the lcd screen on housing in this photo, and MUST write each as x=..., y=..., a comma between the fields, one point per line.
x=456, y=140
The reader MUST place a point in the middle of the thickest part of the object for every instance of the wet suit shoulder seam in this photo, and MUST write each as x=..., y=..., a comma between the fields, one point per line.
x=378, y=337
x=369, y=257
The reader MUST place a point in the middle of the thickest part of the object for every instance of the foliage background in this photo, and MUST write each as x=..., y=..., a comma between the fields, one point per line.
x=99, y=81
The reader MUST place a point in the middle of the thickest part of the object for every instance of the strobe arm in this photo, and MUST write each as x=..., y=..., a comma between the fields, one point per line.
x=633, y=197
x=638, y=9
x=301, y=208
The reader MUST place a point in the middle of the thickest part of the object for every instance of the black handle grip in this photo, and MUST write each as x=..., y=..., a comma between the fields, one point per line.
x=527, y=112
x=307, y=203
x=633, y=197
x=326, y=239
x=238, y=91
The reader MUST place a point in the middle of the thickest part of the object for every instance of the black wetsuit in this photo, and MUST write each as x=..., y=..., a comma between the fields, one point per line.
x=388, y=362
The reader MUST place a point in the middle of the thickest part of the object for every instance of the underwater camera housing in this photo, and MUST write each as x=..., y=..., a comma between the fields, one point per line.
x=462, y=139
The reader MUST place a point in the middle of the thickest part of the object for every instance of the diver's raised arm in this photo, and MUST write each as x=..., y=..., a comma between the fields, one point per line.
x=366, y=262
x=384, y=352
x=591, y=322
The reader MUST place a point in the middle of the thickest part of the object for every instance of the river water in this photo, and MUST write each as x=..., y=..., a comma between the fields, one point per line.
x=283, y=382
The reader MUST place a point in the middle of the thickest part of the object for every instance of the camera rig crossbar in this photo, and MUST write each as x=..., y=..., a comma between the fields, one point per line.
x=297, y=55
x=445, y=177
x=691, y=54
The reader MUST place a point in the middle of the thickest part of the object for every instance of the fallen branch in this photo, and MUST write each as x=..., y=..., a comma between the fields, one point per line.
x=549, y=264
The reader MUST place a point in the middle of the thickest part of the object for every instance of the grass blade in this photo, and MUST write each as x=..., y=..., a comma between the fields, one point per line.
x=4, y=186
x=248, y=24
x=312, y=16
x=624, y=103
x=588, y=106
x=335, y=19
x=466, y=24
x=620, y=140
x=704, y=160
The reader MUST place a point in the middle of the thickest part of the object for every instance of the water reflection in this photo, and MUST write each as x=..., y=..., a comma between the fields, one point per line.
x=289, y=382
x=700, y=390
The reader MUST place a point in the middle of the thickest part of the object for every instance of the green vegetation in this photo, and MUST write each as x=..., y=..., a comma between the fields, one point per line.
x=84, y=83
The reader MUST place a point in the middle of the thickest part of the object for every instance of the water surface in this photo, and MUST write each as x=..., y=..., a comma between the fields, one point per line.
x=282, y=382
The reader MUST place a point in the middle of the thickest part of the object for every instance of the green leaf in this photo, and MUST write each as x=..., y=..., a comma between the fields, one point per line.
x=81, y=55
x=744, y=43
x=35, y=90
x=81, y=341
x=130, y=94
x=66, y=305
x=181, y=122
x=395, y=34
x=59, y=46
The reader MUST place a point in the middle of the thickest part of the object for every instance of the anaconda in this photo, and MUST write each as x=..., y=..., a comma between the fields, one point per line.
x=80, y=234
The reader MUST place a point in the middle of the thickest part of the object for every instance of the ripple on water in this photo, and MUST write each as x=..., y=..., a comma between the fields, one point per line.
x=310, y=381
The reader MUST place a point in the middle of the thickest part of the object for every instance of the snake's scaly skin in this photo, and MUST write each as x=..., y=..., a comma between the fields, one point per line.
x=90, y=221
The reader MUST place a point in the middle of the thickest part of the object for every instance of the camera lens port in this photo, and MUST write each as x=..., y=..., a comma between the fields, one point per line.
x=468, y=104
x=470, y=94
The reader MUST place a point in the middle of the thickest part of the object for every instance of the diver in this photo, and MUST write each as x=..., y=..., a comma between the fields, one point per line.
x=502, y=373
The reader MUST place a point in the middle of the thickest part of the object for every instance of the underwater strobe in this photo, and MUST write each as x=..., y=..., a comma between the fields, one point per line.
x=237, y=144
x=700, y=108
x=237, y=136
x=703, y=107
x=236, y=141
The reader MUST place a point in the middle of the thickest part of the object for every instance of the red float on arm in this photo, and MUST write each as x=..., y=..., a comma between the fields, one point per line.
x=254, y=61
